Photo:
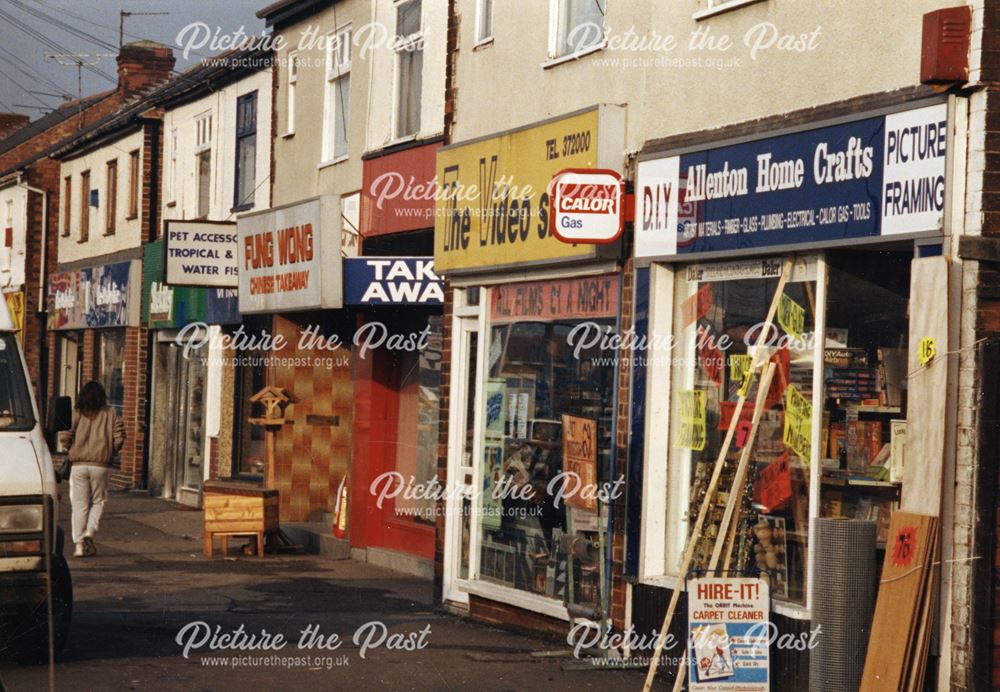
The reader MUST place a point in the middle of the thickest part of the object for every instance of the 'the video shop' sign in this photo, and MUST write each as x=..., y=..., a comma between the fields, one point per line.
x=849, y=182
x=289, y=257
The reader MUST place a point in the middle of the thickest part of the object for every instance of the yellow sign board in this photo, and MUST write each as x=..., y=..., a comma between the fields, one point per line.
x=798, y=423
x=740, y=366
x=791, y=317
x=693, y=430
x=492, y=207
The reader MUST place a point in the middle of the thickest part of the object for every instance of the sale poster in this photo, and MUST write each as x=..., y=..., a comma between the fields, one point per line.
x=580, y=458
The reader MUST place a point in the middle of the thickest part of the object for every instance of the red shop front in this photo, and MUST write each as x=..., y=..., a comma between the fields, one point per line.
x=397, y=298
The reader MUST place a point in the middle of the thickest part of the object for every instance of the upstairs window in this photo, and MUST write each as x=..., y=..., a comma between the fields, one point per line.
x=67, y=204
x=111, y=206
x=246, y=150
x=484, y=21
x=134, y=176
x=337, y=99
x=84, y=206
x=409, y=49
x=292, y=71
x=203, y=161
x=575, y=26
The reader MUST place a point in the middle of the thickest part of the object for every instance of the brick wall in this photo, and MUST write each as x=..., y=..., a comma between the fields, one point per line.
x=618, y=587
x=135, y=373
x=444, y=396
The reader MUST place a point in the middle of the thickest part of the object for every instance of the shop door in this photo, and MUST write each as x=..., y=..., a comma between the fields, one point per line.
x=69, y=370
x=462, y=436
x=177, y=456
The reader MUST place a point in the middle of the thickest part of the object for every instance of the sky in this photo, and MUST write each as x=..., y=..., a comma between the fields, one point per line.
x=32, y=30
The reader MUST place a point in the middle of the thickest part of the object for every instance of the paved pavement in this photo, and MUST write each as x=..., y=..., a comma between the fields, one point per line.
x=149, y=581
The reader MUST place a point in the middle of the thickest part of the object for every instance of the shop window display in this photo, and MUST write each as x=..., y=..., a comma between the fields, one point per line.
x=543, y=391
x=719, y=313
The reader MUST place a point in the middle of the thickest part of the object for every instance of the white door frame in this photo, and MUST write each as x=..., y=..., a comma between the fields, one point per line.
x=461, y=481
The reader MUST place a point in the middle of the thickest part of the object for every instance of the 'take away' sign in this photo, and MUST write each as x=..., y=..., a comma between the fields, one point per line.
x=392, y=281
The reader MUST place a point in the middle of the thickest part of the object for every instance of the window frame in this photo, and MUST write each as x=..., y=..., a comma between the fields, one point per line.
x=482, y=7
x=410, y=43
x=84, y=234
x=292, y=79
x=558, y=11
x=111, y=197
x=714, y=7
x=246, y=201
x=134, y=175
x=335, y=99
x=67, y=205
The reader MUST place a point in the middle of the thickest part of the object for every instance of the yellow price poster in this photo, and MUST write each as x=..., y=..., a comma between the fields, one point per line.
x=798, y=423
x=15, y=303
x=791, y=317
x=692, y=431
x=927, y=349
x=739, y=371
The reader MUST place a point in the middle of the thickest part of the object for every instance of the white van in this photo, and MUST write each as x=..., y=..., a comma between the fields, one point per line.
x=35, y=586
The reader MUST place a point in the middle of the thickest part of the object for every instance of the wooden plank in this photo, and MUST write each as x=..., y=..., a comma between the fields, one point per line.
x=903, y=581
x=234, y=526
x=925, y=431
x=923, y=638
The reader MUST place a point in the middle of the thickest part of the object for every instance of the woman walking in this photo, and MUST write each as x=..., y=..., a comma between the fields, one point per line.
x=97, y=435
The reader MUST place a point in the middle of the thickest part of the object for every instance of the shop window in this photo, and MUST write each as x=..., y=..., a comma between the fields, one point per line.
x=865, y=362
x=575, y=26
x=540, y=378
x=111, y=202
x=718, y=320
x=419, y=377
x=833, y=417
x=246, y=151
x=409, y=49
x=110, y=357
x=249, y=451
x=337, y=100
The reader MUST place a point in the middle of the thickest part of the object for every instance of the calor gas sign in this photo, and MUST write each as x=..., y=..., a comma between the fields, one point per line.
x=586, y=205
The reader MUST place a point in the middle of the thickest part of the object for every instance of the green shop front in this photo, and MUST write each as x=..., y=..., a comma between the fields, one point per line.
x=187, y=378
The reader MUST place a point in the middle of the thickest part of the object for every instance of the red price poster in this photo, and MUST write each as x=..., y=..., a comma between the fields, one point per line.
x=728, y=632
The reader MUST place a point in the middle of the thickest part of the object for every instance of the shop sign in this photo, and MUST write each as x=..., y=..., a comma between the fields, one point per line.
x=579, y=453
x=398, y=191
x=201, y=253
x=492, y=202
x=587, y=206
x=850, y=182
x=289, y=257
x=592, y=297
x=166, y=306
x=102, y=296
x=728, y=632
x=392, y=281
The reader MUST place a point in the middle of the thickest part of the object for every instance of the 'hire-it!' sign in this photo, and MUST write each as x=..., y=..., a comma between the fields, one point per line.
x=586, y=205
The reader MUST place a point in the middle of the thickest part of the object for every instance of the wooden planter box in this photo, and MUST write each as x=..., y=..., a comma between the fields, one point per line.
x=238, y=509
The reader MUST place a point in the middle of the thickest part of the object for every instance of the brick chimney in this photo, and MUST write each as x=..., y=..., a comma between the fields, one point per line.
x=142, y=64
x=9, y=122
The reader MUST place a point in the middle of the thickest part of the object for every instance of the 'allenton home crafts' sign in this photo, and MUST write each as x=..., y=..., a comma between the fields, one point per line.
x=201, y=253
x=392, y=281
x=867, y=179
x=106, y=295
